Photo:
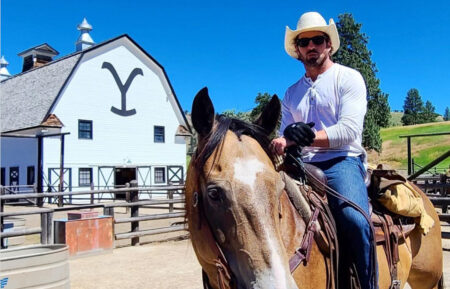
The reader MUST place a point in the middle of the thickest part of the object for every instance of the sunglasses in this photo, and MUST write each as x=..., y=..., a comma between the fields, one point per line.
x=303, y=42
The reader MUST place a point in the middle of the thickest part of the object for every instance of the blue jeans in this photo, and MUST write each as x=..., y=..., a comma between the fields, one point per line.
x=346, y=176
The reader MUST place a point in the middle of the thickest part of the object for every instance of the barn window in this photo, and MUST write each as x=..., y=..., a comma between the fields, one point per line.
x=84, y=177
x=30, y=175
x=159, y=133
x=160, y=175
x=84, y=129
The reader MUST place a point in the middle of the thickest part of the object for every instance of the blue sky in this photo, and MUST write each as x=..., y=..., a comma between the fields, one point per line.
x=236, y=47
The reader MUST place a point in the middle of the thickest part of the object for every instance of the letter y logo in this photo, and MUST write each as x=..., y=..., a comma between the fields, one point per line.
x=123, y=88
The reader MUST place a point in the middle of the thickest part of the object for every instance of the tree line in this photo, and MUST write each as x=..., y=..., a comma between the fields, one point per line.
x=353, y=52
x=414, y=112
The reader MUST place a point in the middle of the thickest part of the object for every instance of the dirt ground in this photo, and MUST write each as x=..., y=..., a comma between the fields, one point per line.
x=158, y=265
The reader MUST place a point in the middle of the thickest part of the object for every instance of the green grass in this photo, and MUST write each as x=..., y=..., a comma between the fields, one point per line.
x=396, y=118
x=393, y=133
x=424, y=149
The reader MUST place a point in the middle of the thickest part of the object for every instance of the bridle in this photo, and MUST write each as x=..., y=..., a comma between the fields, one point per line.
x=225, y=277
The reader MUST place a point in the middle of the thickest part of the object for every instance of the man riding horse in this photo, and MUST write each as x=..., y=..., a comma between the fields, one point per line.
x=323, y=113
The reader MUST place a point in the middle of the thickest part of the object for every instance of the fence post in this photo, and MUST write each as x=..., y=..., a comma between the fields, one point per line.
x=92, y=195
x=49, y=227
x=127, y=197
x=134, y=197
x=108, y=211
x=408, y=145
x=61, y=173
x=170, y=193
x=44, y=227
x=40, y=172
x=443, y=181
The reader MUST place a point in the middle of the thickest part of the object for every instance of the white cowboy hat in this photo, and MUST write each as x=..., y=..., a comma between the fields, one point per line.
x=311, y=21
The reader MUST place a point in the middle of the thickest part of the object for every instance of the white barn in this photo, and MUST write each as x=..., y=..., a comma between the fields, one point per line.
x=106, y=114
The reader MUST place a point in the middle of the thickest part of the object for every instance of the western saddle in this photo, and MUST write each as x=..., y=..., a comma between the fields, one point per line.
x=389, y=230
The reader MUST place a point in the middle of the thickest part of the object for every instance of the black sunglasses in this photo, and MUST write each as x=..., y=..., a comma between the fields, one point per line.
x=303, y=42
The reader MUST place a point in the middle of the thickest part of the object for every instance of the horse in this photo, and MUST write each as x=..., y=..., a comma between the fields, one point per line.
x=243, y=227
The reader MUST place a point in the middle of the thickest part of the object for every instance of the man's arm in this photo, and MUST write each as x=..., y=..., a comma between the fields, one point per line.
x=321, y=139
x=351, y=111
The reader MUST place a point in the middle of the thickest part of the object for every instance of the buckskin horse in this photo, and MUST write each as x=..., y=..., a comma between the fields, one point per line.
x=243, y=226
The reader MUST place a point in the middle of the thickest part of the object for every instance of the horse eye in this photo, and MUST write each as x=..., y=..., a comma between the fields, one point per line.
x=214, y=194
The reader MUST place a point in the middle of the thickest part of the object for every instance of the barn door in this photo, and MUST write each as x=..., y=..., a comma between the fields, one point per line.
x=175, y=175
x=14, y=178
x=53, y=179
x=105, y=178
x=122, y=176
x=144, y=176
x=53, y=182
x=105, y=181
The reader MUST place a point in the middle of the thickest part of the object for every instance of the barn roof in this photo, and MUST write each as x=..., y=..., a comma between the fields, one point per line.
x=26, y=99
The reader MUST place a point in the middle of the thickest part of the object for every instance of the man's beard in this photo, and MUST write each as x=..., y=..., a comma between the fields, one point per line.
x=312, y=61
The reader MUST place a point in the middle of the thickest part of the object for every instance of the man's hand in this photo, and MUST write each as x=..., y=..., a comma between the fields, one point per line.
x=278, y=145
x=300, y=133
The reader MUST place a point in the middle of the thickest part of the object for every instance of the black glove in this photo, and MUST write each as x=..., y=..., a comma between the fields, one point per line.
x=300, y=133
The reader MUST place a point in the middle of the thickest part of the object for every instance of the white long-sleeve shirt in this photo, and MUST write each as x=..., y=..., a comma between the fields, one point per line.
x=336, y=102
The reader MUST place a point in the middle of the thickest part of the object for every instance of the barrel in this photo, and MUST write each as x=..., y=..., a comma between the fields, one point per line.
x=37, y=266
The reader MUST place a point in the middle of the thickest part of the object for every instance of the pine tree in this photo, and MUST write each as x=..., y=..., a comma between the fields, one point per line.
x=353, y=52
x=412, y=108
x=371, y=128
x=261, y=100
x=447, y=114
x=245, y=116
x=429, y=114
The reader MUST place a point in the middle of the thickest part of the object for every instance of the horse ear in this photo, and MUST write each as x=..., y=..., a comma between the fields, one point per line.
x=202, y=113
x=270, y=115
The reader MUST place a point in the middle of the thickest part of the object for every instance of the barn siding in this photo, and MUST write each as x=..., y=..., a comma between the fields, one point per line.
x=18, y=152
x=117, y=140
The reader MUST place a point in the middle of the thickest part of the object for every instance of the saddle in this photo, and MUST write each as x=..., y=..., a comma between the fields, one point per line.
x=389, y=229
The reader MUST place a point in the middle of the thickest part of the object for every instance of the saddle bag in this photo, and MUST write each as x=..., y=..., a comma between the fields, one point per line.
x=398, y=196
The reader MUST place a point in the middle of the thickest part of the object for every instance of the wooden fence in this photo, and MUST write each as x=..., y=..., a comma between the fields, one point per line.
x=132, y=202
x=435, y=187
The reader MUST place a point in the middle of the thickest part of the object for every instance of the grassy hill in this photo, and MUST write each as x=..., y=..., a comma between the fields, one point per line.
x=396, y=118
x=423, y=149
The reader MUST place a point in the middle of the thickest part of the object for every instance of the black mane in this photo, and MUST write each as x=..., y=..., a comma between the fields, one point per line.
x=239, y=127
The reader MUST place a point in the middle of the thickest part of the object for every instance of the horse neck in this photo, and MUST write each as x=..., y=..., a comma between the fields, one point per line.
x=292, y=226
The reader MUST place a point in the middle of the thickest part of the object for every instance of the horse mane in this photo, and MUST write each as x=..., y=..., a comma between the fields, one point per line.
x=239, y=127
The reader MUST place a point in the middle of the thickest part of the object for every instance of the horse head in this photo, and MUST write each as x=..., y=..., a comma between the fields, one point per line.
x=233, y=199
